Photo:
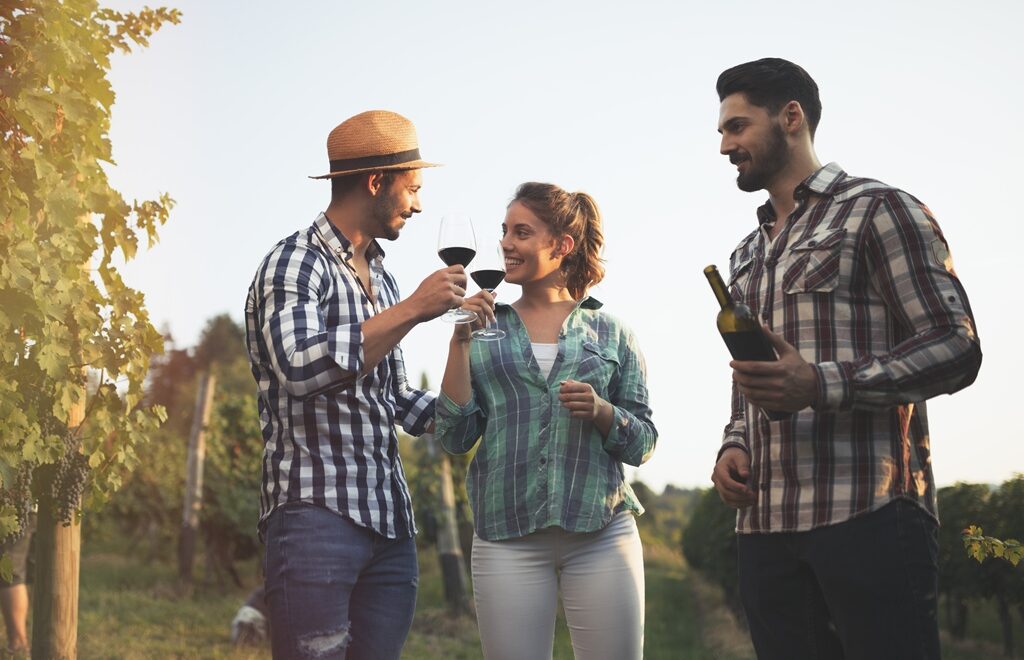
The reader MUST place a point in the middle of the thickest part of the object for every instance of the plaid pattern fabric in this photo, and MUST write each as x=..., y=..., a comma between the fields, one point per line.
x=861, y=282
x=330, y=434
x=536, y=466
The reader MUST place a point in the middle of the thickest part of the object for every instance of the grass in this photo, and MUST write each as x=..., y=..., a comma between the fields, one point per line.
x=131, y=609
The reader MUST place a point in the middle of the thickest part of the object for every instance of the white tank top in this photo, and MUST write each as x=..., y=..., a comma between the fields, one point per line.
x=545, y=355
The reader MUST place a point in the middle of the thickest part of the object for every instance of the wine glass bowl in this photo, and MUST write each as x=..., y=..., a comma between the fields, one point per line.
x=488, y=274
x=456, y=244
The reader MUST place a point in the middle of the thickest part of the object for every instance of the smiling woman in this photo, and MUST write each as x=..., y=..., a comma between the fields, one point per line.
x=561, y=404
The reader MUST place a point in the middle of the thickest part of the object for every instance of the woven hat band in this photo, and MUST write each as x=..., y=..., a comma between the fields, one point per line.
x=366, y=162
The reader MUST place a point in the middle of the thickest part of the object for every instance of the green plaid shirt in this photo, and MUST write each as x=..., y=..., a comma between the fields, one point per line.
x=538, y=467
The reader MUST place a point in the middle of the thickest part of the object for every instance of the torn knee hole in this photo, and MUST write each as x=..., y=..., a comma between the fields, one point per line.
x=316, y=645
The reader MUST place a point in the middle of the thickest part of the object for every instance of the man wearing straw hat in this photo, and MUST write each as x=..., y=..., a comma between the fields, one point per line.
x=323, y=322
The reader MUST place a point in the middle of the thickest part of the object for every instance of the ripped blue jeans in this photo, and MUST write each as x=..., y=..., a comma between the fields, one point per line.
x=335, y=589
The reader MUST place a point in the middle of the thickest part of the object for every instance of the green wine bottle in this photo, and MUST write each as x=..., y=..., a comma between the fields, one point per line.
x=740, y=329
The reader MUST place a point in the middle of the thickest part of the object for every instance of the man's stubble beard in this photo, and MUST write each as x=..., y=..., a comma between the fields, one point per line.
x=774, y=158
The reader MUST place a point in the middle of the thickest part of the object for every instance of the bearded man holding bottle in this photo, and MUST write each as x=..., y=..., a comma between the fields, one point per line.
x=826, y=454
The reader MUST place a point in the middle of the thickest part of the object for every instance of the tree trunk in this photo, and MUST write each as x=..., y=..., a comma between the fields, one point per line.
x=1006, y=619
x=194, y=477
x=55, y=594
x=956, y=615
x=453, y=570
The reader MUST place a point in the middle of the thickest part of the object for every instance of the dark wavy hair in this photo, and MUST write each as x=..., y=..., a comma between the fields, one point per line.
x=569, y=214
x=771, y=83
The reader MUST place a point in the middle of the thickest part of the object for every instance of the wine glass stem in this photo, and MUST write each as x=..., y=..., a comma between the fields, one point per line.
x=488, y=325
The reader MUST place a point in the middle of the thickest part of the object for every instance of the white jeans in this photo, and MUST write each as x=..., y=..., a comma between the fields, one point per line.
x=601, y=579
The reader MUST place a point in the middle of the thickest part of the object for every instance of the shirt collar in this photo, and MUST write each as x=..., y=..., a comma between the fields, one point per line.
x=823, y=182
x=341, y=246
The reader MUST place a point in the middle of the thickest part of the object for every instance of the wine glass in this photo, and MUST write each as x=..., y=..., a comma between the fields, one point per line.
x=488, y=274
x=456, y=244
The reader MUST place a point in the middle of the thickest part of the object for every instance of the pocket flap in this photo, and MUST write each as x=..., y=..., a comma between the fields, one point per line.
x=603, y=351
x=822, y=239
x=739, y=269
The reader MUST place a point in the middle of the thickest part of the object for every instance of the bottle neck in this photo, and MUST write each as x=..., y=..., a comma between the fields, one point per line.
x=718, y=286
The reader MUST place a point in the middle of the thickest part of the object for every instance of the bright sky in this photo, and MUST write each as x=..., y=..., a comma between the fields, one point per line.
x=230, y=110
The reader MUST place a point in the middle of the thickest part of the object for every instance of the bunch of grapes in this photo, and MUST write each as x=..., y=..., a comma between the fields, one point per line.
x=69, y=479
x=19, y=496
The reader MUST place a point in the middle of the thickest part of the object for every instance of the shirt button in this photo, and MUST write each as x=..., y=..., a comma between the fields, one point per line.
x=770, y=262
x=543, y=460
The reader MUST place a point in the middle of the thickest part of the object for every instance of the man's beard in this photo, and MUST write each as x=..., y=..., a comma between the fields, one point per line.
x=384, y=211
x=773, y=158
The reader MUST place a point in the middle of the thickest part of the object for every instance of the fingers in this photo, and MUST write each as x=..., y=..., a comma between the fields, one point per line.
x=485, y=295
x=730, y=476
x=480, y=306
x=571, y=386
x=757, y=368
x=579, y=398
x=778, y=343
x=455, y=275
x=734, y=494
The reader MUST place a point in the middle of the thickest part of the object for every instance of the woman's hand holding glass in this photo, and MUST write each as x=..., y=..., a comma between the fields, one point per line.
x=482, y=305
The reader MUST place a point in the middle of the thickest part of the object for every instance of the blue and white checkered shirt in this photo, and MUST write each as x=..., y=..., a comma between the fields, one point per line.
x=330, y=433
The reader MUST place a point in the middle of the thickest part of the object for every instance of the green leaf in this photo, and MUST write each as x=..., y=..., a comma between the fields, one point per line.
x=56, y=208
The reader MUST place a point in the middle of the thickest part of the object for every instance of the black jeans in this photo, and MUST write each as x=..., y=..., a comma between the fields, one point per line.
x=864, y=589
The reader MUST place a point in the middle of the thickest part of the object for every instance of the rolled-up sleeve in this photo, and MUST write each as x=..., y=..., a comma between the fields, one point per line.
x=632, y=435
x=939, y=351
x=457, y=427
x=735, y=433
x=307, y=357
x=415, y=407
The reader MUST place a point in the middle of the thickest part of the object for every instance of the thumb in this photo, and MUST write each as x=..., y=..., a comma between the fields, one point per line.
x=778, y=343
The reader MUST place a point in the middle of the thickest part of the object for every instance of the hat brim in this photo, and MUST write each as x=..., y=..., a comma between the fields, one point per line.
x=411, y=165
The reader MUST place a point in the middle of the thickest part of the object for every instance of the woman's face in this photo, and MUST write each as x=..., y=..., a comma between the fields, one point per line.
x=529, y=246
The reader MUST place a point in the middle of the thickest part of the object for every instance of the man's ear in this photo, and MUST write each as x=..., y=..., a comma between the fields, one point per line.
x=374, y=183
x=792, y=117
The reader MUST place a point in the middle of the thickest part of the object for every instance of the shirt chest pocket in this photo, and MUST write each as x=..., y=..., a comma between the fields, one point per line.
x=599, y=366
x=740, y=278
x=813, y=263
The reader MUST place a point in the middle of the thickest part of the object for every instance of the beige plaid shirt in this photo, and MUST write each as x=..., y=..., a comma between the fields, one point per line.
x=861, y=282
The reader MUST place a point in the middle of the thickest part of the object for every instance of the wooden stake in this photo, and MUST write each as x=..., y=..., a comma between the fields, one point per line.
x=194, y=476
x=55, y=594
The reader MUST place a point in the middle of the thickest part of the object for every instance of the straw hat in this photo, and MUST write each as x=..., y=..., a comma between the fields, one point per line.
x=370, y=141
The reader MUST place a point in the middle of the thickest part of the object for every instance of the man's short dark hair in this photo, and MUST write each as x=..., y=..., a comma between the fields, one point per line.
x=771, y=83
x=343, y=185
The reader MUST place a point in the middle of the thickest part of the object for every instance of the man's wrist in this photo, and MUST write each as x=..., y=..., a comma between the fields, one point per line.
x=408, y=311
x=731, y=444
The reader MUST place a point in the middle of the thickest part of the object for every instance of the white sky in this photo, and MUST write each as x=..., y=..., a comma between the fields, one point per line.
x=229, y=112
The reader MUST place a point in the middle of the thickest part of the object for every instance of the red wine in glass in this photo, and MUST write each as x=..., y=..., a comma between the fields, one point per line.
x=488, y=276
x=456, y=255
x=456, y=245
x=488, y=279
